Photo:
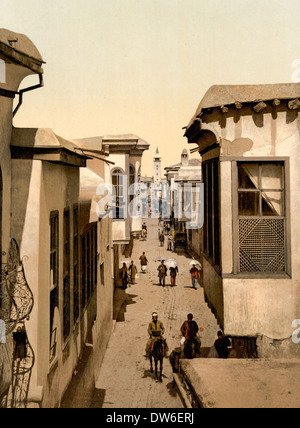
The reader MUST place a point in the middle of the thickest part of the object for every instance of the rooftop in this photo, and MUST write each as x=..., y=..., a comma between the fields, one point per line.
x=44, y=144
x=98, y=143
x=20, y=49
x=244, y=383
x=192, y=162
x=224, y=95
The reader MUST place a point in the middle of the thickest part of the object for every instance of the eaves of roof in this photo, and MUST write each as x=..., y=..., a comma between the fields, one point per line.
x=226, y=95
x=19, y=49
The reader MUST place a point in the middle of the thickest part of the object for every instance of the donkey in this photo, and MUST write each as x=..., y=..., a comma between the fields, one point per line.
x=157, y=353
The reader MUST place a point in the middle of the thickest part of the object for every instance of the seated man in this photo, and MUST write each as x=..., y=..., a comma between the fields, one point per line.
x=155, y=330
x=222, y=344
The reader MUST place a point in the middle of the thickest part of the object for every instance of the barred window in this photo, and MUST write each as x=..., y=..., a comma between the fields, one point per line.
x=211, y=229
x=66, y=275
x=54, y=242
x=261, y=217
x=88, y=263
x=76, y=263
x=131, y=180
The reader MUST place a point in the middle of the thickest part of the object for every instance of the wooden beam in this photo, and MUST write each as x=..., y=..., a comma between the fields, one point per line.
x=238, y=105
x=294, y=104
x=224, y=109
x=258, y=108
x=276, y=102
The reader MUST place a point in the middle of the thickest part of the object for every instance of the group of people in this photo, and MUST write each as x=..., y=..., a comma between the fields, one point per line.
x=128, y=275
x=190, y=333
x=163, y=270
x=189, y=329
x=170, y=238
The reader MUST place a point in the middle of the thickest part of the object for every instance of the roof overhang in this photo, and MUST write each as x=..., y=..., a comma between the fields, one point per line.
x=18, y=48
x=43, y=144
x=57, y=155
x=226, y=97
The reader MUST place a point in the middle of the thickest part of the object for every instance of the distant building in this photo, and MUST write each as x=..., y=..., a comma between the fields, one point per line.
x=157, y=167
x=121, y=169
x=146, y=195
x=248, y=137
x=186, y=174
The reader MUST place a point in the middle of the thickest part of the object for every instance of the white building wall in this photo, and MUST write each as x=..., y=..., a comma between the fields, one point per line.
x=260, y=306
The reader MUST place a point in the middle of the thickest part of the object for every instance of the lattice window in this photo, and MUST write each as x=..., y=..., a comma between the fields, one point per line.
x=261, y=245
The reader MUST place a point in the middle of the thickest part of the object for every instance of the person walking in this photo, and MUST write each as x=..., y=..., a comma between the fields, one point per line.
x=132, y=272
x=195, y=274
x=144, y=262
x=170, y=243
x=162, y=273
x=124, y=276
x=173, y=273
x=162, y=239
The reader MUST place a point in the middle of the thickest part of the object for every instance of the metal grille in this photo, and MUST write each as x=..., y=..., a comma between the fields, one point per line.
x=261, y=245
x=16, y=300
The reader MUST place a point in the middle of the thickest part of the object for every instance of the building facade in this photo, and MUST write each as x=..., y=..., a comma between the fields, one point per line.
x=57, y=281
x=19, y=58
x=186, y=199
x=248, y=137
x=121, y=174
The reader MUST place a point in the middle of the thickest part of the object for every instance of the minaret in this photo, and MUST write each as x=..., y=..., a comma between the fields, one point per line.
x=157, y=167
x=185, y=158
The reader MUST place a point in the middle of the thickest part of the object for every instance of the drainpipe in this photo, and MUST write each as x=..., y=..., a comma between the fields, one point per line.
x=22, y=91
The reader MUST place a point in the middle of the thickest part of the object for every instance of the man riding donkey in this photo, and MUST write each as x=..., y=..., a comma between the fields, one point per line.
x=144, y=230
x=155, y=330
x=189, y=344
x=189, y=330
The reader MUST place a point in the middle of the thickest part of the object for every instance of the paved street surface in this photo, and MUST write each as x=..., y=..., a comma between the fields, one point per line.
x=125, y=380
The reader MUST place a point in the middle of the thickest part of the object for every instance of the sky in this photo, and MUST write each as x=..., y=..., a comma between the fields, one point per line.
x=142, y=66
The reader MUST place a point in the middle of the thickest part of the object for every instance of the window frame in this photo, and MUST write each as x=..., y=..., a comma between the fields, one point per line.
x=212, y=217
x=66, y=274
x=286, y=217
x=76, y=273
x=54, y=288
x=119, y=202
x=88, y=267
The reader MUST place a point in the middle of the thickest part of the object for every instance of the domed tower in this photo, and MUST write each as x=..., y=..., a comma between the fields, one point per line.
x=157, y=167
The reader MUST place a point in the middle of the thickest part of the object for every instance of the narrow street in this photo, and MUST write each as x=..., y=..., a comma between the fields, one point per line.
x=125, y=380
